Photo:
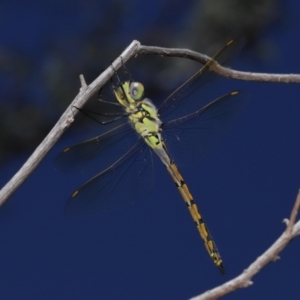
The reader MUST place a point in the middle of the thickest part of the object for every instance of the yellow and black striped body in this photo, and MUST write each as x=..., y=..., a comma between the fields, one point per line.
x=191, y=205
x=193, y=209
x=144, y=119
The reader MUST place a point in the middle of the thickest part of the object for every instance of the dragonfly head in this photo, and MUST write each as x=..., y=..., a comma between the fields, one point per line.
x=129, y=93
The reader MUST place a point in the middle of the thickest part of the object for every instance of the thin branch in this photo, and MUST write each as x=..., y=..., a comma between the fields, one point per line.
x=229, y=73
x=293, y=215
x=87, y=91
x=64, y=122
x=271, y=255
x=82, y=81
x=249, y=76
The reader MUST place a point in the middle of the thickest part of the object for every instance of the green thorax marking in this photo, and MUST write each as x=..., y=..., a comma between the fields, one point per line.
x=141, y=112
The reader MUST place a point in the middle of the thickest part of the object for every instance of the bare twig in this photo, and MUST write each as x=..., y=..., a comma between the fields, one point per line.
x=249, y=76
x=64, y=122
x=244, y=280
x=226, y=72
x=293, y=215
x=86, y=91
x=82, y=81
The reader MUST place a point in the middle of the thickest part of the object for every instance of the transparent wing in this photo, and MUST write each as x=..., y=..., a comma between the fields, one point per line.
x=127, y=180
x=183, y=98
x=104, y=112
x=97, y=153
x=192, y=136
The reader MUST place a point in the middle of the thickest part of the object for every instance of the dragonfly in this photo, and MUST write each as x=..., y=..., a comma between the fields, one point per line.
x=128, y=149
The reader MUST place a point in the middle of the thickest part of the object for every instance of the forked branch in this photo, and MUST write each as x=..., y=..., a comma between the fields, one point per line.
x=87, y=91
x=270, y=255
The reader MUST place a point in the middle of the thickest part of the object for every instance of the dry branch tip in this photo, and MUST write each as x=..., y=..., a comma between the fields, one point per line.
x=83, y=83
x=293, y=215
x=286, y=221
x=277, y=257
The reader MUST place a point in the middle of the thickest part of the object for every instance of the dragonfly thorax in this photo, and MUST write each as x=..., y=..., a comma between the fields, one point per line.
x=142, y=113
x=146, y=123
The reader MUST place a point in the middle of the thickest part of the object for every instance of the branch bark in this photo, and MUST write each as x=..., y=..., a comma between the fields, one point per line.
x=270, y=255
x=87, y=91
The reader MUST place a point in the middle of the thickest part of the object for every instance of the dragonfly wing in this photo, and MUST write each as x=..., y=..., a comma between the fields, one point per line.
x=97, y=153
x=124, y=182
x=192, y=136
x=184, y=98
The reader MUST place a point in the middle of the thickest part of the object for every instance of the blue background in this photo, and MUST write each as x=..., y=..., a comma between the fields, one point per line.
x=245, y=187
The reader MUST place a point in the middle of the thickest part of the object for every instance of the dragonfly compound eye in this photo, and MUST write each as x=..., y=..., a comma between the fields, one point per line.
x=136, y=90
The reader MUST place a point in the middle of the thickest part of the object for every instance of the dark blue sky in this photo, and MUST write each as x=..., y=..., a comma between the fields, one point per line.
x=245, y=187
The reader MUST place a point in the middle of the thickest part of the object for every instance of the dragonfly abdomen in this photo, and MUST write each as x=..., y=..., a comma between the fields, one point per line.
x=192, y=207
